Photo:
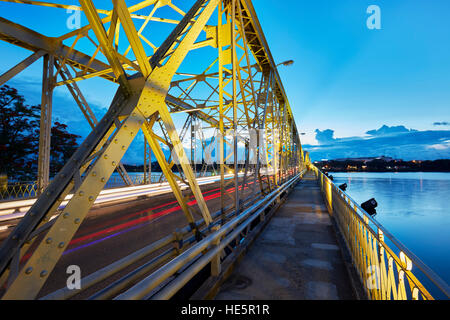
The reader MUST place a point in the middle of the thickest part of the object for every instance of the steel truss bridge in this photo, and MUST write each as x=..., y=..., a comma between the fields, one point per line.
x=205, y=61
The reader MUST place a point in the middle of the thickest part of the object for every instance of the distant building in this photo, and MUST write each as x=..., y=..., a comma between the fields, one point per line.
x=366, y=159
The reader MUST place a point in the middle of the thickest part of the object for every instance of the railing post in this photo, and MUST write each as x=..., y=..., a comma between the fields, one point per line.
x=178, y=241
x=215, y=262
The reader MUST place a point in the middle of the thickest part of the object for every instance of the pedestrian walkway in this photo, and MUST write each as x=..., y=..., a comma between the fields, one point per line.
x=296, y=256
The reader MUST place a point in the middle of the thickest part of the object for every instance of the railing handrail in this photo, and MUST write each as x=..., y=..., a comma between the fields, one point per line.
x=427, y=271
x=143, y=287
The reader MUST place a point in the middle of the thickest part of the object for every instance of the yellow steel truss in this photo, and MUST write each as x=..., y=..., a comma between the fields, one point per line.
x=237, y=90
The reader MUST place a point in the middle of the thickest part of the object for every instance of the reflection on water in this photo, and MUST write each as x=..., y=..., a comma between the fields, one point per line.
x=413, y=206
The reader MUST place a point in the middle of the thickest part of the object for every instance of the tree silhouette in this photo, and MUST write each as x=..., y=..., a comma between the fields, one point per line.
x=63, y=145
x=19, y=138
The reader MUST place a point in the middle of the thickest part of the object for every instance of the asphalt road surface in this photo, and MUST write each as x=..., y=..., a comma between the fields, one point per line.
x=112, y=232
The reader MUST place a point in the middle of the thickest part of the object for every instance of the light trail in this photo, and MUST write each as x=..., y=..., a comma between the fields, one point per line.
x=140, y=222
x=133, y=224
x=18, y=208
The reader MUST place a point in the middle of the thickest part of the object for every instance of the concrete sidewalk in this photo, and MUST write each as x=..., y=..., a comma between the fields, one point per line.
x=295, y=257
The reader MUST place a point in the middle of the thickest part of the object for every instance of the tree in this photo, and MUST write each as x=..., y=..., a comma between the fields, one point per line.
x=19, y=138
x=18, y=143
x=63, y=145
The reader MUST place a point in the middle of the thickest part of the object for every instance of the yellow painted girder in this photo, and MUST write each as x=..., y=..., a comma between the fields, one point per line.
x=108, y=50
x=133, y=37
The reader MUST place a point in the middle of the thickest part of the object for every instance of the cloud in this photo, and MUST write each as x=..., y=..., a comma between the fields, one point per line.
x=445, y=145
x=444, y=123
x=325, y=136
x=386, y=130
x=405, y=144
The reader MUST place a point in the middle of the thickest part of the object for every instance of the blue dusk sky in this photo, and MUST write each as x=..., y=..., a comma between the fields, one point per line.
x=346, y=81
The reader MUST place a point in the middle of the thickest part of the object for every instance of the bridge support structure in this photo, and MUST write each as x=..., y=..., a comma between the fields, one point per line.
x=236, y=93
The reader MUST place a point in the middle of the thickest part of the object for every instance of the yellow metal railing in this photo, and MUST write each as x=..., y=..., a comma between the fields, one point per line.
x=18, y=190
x=384, y=265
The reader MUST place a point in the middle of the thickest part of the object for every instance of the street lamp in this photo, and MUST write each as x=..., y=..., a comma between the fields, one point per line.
x=286, y=63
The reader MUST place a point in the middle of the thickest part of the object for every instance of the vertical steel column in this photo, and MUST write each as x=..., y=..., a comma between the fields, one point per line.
x=234, y=62
x=147, y=162
x=258, y=124
x=193, y=145
x=221, y=142
x=43, y=176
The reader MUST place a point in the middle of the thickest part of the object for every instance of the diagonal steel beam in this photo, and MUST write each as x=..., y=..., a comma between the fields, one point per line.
x=20, y=66
x=31, y=40
x=90, y=117
x=127, y=23
x=108, y=50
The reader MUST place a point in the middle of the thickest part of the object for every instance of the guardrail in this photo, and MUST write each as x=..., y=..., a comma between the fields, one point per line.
x=175, y=259
x=384, y=265
x=18, y=190
x=24, y=190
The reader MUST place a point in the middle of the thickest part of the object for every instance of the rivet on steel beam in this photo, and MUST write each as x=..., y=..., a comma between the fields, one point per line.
x=123, y=147
x=77, y=220
x=113, y=163
x=91, y=198
x=29, y=270
x=103, y=179
x=49, y=240
x=61, y=244
x=81, y=193
x=43, y=273
x=115, y=140
x=66, y=215
x=94, y=174
x=105, y=156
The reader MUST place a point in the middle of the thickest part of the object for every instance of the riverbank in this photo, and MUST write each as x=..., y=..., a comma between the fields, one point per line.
x=379, y=165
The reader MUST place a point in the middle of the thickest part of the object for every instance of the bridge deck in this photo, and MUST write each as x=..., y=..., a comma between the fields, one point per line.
x=296, y=256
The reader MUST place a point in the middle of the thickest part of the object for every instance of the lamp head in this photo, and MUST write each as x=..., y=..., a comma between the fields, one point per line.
x=287, y=63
